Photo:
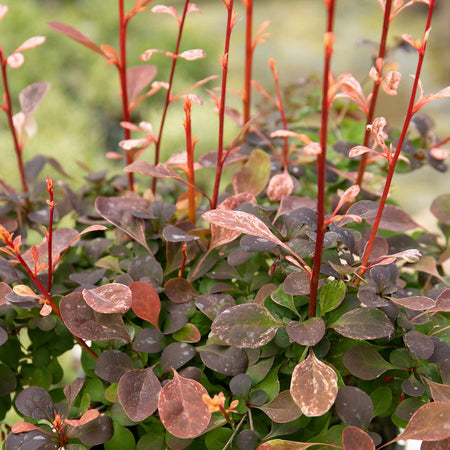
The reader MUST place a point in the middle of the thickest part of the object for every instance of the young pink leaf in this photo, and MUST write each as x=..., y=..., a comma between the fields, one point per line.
x=391, y=82
x=138, y=78
x=312, y=149
x=23, y=427
x=280, y=444
x=75, y=35
x=3, y=11
x=30, y=43
x=444, y=93
x=193, y=8
x=163, y=9
x=181, y=408
x=109, y=298
x=192, y=55
x=286, y=133
x=45, y=310
x=15, y=60
x=313, y=386
x=32, y=95
x=280, y=186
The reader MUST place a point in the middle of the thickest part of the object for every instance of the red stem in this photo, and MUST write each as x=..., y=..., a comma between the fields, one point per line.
x=190, y=160
x=321, y=164
x=169, y=92
x=443, y=142
x=280, y=108
x=9, y=114
x=50, y=235
x=220, y=160
x=122, y=68
x=375, y=90
x=248, y=63
x=398, y=149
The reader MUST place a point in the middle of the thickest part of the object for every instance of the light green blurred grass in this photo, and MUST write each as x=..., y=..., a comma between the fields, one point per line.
x=78, y=120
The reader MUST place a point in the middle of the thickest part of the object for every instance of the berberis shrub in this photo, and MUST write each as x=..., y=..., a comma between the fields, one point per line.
x=295, y=308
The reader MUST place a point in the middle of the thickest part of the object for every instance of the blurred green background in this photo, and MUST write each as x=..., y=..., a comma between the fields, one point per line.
x=78, y=119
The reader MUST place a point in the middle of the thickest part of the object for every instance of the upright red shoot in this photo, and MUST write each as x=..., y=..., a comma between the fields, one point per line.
x=169, y=90
x=321, y=159
x=190, y=144
x=375, y=89
x=412, y=108
x=249, y=47
x=231, y=17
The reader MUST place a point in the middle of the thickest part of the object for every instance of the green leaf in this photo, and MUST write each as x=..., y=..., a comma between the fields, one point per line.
x=381, y=399
x=270, y=385
x=216, y=439
x=281, y=298
x=122, y=439
x=331, y=296
x=154, y=438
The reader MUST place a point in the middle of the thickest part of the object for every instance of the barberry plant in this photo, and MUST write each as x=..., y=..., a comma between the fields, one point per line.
x=296, y=307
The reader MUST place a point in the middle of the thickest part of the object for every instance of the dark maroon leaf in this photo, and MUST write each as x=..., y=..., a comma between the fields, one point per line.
x=419, y=344
x=441, y=208
x=240, y=385
x=176, y=355
x=226, y=360
x=354, y=438
x=95, y=432
x=211, y=304
x=174, y=234
x=210, y=159
x=247, y=439
x=282, y=408
x=354, y=406
x=363, y=324
x=442, y=301
x=412, y=387
x=33, y=440
x=245, y=326
x=427, y=264
x=75, y=35
x=441, y=351
x=145, y=302
x=408, y=407
x=175, y=321
x=138, y=78
x=255, y=244
x=31, y=97
x=179, y=290
x=145, y=268
x=138, y=393
x=8, y=381
x=365, y=363
x=84, y=322
x=90, y=278
x=395, y=219
x=109, y=298
x=119, y=212
x=307, y=333
x=181, y=407
x=72, y=390
x=265, y=291
x=158, y=171
x=35, y=402
x=296, y=283
x=112, y=364
x=3, y=336
x=149, y=340
x=313, y=386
